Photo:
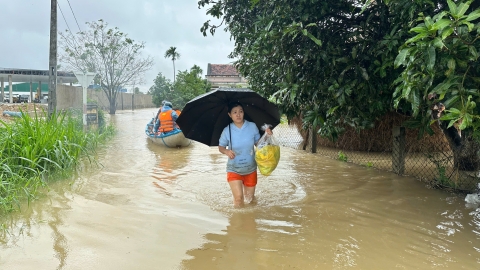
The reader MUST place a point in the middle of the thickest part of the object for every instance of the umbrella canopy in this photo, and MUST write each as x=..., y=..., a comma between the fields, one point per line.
x=204, y=117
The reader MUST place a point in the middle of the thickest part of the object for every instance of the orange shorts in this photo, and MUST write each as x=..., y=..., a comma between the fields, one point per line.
x=249, y=180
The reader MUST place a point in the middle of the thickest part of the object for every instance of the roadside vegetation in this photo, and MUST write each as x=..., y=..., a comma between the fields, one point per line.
x=36, y=150
x=337, y=64
x=188, y=84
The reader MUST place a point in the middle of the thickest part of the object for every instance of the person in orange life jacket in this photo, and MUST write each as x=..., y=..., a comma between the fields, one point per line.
x=167, y=118
x=157, y=119
x=177, y=110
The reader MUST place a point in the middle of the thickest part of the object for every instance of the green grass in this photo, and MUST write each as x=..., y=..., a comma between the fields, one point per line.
x=33, y=148
x=342, y=156
x=369, y=164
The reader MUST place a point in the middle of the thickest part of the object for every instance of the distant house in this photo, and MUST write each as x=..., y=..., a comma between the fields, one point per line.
x=224, y=75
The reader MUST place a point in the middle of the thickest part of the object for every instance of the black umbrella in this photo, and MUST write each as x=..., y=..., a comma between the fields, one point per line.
x=204, y=117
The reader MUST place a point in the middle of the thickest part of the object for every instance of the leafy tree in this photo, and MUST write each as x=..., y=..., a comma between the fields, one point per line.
x=160, y=90
x=110, y=53
x=441, y=79
x=330, y=60
x=334, y=62
x=174, y=55
x=188, y=85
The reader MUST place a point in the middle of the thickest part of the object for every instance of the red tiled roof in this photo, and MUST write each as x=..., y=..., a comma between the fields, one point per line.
x=221, y=70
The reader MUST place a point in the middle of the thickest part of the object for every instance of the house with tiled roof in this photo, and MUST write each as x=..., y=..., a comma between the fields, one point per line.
x=225, y=75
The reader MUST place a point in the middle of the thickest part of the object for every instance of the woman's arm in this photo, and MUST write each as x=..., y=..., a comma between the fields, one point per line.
x=226, y=151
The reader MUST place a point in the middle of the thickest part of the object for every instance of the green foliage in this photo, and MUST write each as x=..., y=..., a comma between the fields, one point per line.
x=336, y=62
x=188, y=85
x=441, y=65
x=160, y=90
x=34, y=148
x=441, y=163
x=331, y=61
x=342, y=156
x=442, y=178
x=174, y=55
x=369, y=164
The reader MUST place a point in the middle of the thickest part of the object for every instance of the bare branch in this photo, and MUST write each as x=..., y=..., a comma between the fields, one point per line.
x=116, y=58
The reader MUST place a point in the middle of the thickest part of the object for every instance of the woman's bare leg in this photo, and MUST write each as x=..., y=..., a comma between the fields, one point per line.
x=249, y=194
x=237, y=191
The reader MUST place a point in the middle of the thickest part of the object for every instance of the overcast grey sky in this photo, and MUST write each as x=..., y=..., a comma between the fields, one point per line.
x=159, y=23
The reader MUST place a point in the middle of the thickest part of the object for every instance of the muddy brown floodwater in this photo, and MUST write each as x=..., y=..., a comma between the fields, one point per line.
x=150, y=207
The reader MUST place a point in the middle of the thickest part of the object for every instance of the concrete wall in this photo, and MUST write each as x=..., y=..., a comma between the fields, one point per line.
x=225, y=79
x=70, y=97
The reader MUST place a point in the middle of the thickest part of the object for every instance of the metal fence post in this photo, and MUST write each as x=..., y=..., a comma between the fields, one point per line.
x=398, y=150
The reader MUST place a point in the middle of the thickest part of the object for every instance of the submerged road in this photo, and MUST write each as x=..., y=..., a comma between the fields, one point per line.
x=149, y=207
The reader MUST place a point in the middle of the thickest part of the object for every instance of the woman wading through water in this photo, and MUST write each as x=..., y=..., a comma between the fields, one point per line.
x=240, y=136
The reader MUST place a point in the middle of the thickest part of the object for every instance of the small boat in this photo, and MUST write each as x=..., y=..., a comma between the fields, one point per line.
x=174, y=138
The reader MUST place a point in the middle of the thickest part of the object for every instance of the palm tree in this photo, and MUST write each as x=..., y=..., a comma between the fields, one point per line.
x=172, y=53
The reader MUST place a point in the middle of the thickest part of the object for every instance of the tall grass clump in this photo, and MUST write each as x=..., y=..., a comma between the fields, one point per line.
x=35, y=147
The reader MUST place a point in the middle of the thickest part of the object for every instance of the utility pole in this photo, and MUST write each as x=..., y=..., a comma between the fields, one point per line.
x=52, y=67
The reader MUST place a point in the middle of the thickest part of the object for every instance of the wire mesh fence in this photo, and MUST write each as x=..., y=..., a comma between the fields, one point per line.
x=429, y=158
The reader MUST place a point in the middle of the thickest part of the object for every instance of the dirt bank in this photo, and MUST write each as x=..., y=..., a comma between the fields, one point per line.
x=16, y=107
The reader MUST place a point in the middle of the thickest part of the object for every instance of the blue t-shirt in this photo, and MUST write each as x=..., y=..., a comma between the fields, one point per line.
x=243, y=142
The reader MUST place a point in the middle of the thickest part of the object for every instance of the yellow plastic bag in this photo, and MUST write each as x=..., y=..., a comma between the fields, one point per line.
x=267, y=155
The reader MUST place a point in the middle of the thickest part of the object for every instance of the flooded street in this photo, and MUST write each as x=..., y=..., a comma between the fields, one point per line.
x=149, y=207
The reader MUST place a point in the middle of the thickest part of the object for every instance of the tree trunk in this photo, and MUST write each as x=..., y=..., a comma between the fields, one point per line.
x=173, y=74
x=464, y=147
x=113, y=106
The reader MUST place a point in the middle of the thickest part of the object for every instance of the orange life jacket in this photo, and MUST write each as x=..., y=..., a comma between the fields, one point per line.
x=166, y=121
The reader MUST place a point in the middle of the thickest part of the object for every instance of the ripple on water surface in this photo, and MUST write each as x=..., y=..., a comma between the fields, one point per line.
x=198, y=173
x=313, y=212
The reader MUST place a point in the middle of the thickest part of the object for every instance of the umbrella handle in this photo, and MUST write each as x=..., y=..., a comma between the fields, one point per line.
x=230, y=132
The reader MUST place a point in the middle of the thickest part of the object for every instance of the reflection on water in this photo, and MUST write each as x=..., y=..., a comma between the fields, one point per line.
x=151, y=207
x=206, y=179
x=170, y=164
x=320, y=213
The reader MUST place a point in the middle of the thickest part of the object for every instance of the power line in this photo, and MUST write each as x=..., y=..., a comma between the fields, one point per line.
x=64, y=18
x=74, y=15
x=74, y=38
